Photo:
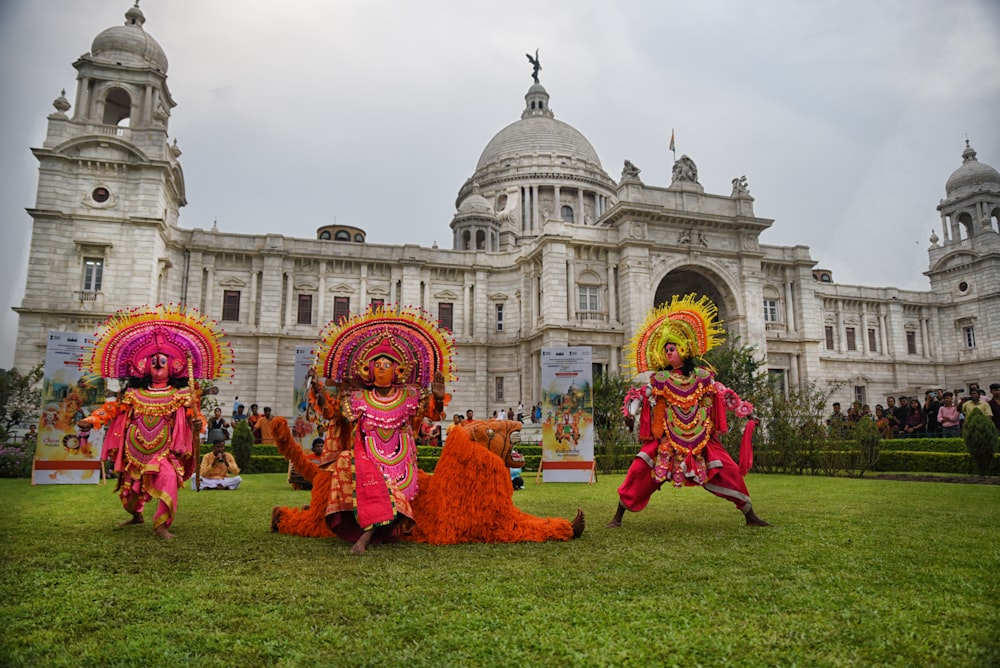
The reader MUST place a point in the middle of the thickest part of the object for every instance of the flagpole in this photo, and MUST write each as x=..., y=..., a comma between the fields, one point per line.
x=673, y=149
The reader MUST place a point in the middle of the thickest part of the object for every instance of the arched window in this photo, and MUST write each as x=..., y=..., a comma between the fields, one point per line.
x=325, y=235
x=965, y=227
x=566, y=213
x=117, y=107
x=342, y=235
x=466, y=240
x=360, y=238
x=480, y=240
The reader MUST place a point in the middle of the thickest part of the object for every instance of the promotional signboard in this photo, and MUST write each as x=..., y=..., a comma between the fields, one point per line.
x=64, y=454
x=567, y=415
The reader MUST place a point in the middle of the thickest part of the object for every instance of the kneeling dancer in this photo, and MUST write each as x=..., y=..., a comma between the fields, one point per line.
x=388, y=368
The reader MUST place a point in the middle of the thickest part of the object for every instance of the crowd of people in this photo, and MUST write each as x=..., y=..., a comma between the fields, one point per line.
x=940, y=413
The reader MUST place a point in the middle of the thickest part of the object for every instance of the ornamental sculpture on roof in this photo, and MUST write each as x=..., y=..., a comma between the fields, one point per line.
x=536, y=64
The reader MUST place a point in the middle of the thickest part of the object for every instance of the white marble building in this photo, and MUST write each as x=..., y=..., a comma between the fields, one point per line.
x=548, y=250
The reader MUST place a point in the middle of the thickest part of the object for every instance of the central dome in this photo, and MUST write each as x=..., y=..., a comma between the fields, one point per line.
x=538, y=134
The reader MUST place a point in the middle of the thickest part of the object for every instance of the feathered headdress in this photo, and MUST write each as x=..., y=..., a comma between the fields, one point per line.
x=407, y=335
x=128, y=337
x=690, y=323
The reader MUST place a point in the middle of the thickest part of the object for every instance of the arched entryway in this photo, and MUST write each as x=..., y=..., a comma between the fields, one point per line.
x=685, y=280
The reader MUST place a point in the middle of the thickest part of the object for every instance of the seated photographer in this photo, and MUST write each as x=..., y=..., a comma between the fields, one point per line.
x=218, y=469
x=295, y=478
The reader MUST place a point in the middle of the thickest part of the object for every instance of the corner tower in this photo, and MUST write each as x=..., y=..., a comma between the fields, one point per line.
x=109, y=191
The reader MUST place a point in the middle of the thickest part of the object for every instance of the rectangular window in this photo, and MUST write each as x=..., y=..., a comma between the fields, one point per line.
x=93, y=272
x=829, y=337
x=341, y=309
x=446, y=315
x=588, y=298
x=911, y=342
x=852, y=343
x=499, y=317
x=872, y=341
x=375, y=303
x=860, y=394
x=305, y=312
x=970, y=337
x=231, y=305
x=770, y=310
x=499, y=388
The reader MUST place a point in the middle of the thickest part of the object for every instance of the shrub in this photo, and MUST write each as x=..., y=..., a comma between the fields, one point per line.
x=16, y=460
x=242, y=444
x=867, y=438
x=980, y=438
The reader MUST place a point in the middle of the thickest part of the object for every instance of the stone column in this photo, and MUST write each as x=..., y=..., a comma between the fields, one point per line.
x=612, y=294
x=534, y=209
x=864, y=329
x=289, y=298
x=841, y=343
x=252, y=315
x=207, y=303
x=321, y=295
x=571, y=289
x=579, y=207
x=557, y=202
x=363, y=289
x=789, y=307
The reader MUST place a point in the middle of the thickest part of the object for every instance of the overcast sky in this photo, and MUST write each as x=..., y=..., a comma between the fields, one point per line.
x=847, y=117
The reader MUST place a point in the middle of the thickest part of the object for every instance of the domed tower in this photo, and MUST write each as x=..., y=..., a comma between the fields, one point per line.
x=535, y=169
x=963, y=261
x=109, y=191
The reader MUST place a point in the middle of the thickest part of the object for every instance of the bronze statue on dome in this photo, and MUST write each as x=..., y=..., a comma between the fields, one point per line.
x=536, y=63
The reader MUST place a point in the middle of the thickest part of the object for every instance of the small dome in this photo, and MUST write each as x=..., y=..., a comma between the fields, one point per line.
x=475, y=204
x=972, y=173
x=129, y=44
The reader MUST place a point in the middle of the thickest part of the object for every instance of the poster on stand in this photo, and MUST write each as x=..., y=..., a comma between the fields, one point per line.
x=567, y=414
x=65, y=455
x=305, y=423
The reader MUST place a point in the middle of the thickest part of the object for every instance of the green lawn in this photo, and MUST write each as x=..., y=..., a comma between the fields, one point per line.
x=854, y=572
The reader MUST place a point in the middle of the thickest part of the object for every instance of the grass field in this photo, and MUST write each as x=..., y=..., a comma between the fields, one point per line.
x=853, y=572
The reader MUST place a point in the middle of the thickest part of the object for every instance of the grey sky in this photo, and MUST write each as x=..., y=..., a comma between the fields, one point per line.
x=846, y=117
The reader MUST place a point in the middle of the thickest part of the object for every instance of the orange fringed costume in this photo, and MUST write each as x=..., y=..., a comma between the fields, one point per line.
x=468, y=499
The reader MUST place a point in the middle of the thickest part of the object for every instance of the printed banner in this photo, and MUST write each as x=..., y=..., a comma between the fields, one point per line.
x=64, y=454
x=304, y=428
x=567, y=414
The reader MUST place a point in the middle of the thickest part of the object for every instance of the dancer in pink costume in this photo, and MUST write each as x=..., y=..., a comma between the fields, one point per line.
x=155, y=421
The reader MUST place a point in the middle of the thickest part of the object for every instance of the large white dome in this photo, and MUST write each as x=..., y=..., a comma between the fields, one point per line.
x=129, y=44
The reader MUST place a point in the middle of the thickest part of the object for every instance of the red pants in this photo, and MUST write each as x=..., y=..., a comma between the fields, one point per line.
x=724, y=479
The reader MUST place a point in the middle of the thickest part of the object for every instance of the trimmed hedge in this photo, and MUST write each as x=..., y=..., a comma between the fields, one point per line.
x=923, y=445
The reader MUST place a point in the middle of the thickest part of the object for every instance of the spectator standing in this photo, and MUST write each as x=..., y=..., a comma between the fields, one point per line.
x=890, y=415
x=240, y=415
x=456, y=421
x=915, y=423
x=502, y=414
x=901, y=410
x=538, y=413
x=931, y=408
x=252, y=420
x=949, y=418
x=975, y=403
x=882, y=422
x=217, y=428
x=520, y=411
x=994, y=403
x=837, y=422
x=31, y=436
x=264, y=425
x=469, y=415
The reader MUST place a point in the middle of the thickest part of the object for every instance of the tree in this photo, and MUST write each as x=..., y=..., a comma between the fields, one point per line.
x=980, y=438
x=614, y=442
x=242, y=444
x=20, y=399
